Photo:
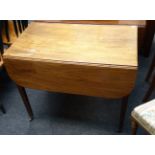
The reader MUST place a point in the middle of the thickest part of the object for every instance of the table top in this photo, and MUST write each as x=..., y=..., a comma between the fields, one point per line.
x=86, y=44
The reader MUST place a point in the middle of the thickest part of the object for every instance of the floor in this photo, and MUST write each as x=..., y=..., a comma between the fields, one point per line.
x=65, y=114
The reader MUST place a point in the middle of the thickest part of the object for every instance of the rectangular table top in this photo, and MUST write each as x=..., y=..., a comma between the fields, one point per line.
x=93, y=60
x=91, y=44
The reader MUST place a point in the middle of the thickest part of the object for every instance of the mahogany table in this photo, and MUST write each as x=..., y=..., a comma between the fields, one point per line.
x=93, y=60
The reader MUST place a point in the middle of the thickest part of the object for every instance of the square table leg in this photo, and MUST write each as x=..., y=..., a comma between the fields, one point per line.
x=26, y=102
x=150, y=90
x=124, y=106
x=150, y=70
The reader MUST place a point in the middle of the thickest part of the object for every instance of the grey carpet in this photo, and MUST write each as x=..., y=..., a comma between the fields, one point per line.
x=61, y=114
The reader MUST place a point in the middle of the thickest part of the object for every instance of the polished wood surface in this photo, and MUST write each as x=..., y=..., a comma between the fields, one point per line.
x=140, y=23
x=114, y=45
x=90, y=60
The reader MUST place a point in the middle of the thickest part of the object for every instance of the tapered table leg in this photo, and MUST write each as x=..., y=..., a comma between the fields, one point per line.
x=2, y=108
x=149, y=92
x=150, y=70
x=25, y=101
x=124, y=105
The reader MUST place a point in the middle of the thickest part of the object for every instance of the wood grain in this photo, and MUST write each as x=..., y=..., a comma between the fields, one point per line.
x=90, y=60
x=140, y=23
x=115, y=45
